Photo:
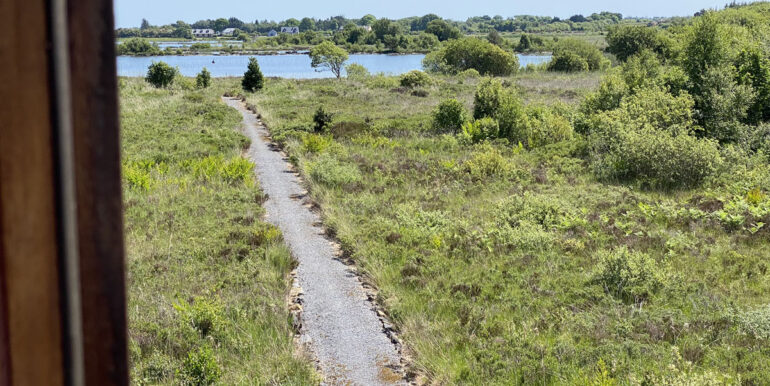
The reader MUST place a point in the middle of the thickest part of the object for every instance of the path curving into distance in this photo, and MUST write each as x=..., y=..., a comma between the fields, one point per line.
x=339, y=324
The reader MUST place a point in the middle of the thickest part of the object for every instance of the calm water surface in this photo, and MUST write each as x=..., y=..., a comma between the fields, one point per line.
x=286, y=66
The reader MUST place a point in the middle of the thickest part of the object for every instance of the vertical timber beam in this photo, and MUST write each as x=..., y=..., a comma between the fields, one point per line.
x=32, y=335
x=99, y=195
x=62, y=284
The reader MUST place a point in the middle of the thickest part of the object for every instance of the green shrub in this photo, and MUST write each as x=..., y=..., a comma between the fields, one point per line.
x=627, y=41
x=487, y=99
x=314, y=143
x=331, y=173
x=415, y=78
x=356, y=71
x=252, y=78
x=486, y=162
x=568, y=62
x=655, y=158
x=611, y=91
x=531, y=210
x=203, y=80
x=480, y=130
x=449, y=116
x=321, y=120
x=469, y=73
x=631, y=276
x=160, y=74
x=466, y=53
x=199, y=368
x=138, y=47
x=755, y=323
x=572, y=55
x=543, y=126
x=203, y=315
x=511, y=116
x=642, y=69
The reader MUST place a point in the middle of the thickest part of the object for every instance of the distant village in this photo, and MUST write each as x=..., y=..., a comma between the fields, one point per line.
x=210, y=33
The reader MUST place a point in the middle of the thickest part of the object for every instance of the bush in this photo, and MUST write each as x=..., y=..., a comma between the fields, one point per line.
x=203, y=315
x=415, y=78
x=200, y=368
x=755, y=323
x=203, y=80
x=510, y=115
x=449, y=116
x=463, y=54
x=655, y=158
x=486, y=162
x=469, y=73
x=321, y=120
x=480, y=130
x=138, y=47
x=487, y=99
x=627, y=41
x=631, y=276
x=331, y=173
x=569, y=55
x=160, y=74
x=568, y=62
x=356, y=71
x=544, y=127
x=252, y=78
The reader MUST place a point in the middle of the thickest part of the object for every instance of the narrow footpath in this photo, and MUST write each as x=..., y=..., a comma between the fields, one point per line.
x=339, y=324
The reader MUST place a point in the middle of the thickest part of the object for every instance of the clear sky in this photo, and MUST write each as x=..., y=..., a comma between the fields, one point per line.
x=129, y=13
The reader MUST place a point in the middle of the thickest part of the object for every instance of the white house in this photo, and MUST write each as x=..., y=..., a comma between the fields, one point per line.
x=290, y=30
x=367, y=28
x=228, y=32
x=203, y=33
x=272, y=33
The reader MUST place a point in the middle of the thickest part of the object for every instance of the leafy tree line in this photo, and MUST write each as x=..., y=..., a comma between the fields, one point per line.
x=522, y=23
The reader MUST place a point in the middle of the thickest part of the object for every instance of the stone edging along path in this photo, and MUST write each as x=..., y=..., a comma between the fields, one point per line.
x=339, y=323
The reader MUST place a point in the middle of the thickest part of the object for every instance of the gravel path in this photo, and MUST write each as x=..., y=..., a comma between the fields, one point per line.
x=339, y=323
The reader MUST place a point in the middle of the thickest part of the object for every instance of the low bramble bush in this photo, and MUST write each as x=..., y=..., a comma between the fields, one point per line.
x=200, y=368
x=631, y=276
x=543, y=127
x=415, y=78
x=755, y=323
x=327, y=171
x=203, y=315
x=449, y=116
x=356, y=71
x=479, y=130
x=486, y=162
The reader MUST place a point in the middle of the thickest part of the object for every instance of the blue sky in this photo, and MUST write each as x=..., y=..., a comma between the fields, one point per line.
x=129, y=13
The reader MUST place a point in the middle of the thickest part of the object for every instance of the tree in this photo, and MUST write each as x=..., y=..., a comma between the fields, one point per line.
x=368, y=19
x=525, y=43
x=328, y=55
x=463, y=54
x=220, y=24
x=384, y=27
x=234, y=22
x=160, y=74
x=570, y=54
x=443, y=30
x=252, y=78
x=307, y=24
x=422, y=23
x=626, y=41
x=145, y=24
x=494, y=37
x=203, y=80
x=291, y=22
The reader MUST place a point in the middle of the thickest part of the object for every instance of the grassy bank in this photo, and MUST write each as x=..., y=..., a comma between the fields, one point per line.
x=207, y=278
x=501, y=265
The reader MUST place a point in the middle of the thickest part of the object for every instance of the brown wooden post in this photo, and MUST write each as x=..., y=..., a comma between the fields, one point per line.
x=62, y=286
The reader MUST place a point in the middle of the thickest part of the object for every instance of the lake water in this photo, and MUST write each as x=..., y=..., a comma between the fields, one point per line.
x=295, y=66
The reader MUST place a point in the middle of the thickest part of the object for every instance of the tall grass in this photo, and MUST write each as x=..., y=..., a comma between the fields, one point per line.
x=207, y=278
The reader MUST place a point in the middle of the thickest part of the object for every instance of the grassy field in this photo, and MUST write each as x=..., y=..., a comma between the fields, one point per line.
x=207, y=278
x=501, y=265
